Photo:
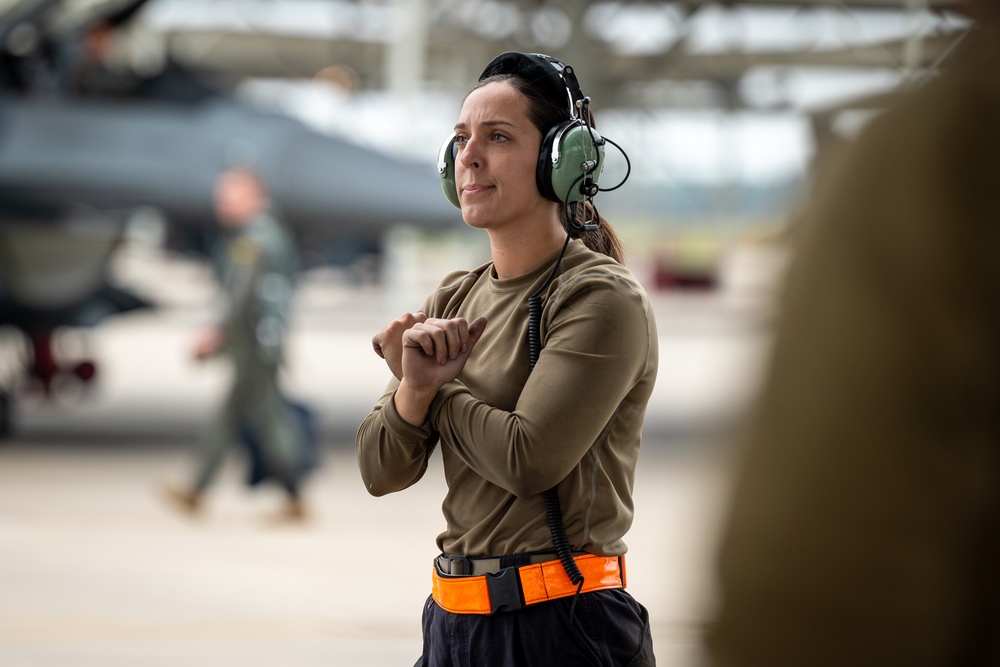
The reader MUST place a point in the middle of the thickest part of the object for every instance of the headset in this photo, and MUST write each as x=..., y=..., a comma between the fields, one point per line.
x=571, y=157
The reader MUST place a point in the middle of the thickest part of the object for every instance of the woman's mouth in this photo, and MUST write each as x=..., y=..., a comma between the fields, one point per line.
x=475, y=188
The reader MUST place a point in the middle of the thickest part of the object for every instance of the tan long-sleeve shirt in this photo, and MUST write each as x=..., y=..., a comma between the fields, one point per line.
x=507, y=435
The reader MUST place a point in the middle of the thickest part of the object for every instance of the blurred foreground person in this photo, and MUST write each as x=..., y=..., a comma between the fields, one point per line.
x=532, y=372
x=865, y=523
x=257, y=266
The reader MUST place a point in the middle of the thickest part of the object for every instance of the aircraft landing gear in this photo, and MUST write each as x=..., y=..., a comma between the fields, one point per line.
x=33, y=370
x=10, y=367
x=55, y=380
x=5, y=416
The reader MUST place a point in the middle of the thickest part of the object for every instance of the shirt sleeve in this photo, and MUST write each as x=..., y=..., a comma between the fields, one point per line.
x=596, y=347
x=862, y=527
x=392, y=453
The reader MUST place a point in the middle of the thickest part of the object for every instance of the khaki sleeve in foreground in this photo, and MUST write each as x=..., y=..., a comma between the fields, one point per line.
x=864, y=528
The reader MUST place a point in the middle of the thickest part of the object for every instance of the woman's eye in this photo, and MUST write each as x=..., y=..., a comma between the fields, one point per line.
x=499, y=137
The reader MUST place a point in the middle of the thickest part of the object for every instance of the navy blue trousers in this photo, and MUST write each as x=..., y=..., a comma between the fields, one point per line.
x=608, y=629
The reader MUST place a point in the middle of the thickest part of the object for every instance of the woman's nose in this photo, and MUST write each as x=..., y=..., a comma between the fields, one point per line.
x=469, y=155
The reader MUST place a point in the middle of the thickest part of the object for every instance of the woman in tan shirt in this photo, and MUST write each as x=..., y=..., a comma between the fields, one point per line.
x=532, y=373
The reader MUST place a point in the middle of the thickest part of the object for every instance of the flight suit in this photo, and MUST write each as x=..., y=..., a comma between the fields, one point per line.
x=257, y=266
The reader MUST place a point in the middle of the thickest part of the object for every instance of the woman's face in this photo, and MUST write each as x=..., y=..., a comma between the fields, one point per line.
x=497, y=155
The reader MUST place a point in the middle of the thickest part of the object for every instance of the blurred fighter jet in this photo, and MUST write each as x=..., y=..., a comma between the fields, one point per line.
x=83, y=145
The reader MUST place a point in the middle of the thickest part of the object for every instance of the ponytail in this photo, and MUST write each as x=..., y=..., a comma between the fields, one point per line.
x=604, y=239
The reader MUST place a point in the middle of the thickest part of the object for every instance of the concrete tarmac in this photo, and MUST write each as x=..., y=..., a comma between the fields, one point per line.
x=95, y=569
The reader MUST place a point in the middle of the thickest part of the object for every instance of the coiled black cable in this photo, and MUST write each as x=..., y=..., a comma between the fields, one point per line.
x=552, y=509
x=558, y=529
x=534, y=336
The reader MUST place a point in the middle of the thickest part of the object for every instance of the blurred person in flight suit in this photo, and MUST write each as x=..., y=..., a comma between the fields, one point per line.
x=864, y=527
x=257, y=266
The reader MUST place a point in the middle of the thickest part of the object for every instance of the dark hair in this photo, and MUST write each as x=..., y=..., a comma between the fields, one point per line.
x=546, y=113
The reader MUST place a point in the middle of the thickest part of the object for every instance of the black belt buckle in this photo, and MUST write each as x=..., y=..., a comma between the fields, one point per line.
x=458, y=566
x=505, y=590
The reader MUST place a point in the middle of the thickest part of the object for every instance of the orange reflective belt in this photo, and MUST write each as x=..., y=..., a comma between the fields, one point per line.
x=512, y=588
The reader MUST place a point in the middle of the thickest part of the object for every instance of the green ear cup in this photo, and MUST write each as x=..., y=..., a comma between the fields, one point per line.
x=446, y=169
x=571, y=153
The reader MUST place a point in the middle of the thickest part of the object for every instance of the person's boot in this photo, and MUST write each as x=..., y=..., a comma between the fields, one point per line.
x=187, y=501
x=295, y=510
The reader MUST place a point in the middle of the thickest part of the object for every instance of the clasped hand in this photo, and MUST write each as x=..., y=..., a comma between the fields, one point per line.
x=427, y=351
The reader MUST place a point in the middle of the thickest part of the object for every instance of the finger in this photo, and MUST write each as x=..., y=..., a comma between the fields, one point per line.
x=419, y=338
x=439, y=335
x=377, y=346
x=409, y=319
x=457, y=334
x=474, y=333
x=405, y=321
x=476, y=330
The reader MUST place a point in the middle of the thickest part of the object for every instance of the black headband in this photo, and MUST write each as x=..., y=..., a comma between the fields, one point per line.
x=554, y=78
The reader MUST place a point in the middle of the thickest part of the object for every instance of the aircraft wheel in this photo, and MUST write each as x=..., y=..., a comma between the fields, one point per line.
x=5, y=416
